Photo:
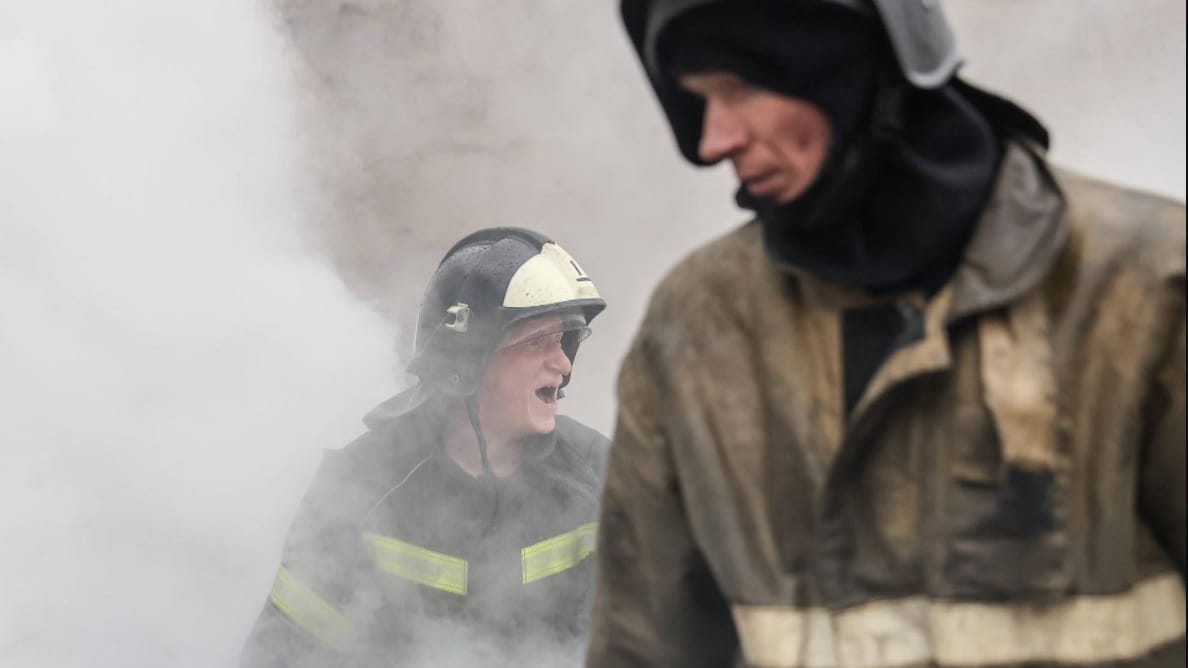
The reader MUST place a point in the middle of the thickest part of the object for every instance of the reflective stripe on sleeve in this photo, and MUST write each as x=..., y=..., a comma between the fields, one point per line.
x=558, y=553
x=417, y=564
x=312, y=613
x=917, y=630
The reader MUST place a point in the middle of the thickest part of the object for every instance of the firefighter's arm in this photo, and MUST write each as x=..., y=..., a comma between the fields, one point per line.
x=306, y=620
x=656, y=603
x=1161, y=483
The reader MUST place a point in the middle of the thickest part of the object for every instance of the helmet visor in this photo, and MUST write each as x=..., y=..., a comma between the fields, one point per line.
x=549, y=340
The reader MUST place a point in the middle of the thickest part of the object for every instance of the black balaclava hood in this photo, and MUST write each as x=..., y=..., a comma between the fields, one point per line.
x=908, y=169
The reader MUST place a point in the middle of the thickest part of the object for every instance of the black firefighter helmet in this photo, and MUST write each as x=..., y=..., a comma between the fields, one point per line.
x=486, y=283
x=920, y=37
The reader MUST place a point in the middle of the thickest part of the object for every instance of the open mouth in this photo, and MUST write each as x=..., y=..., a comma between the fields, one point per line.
x=550, y=394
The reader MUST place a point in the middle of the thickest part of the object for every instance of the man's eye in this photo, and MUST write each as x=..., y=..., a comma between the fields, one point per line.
x=538, y=342
x=542, y=343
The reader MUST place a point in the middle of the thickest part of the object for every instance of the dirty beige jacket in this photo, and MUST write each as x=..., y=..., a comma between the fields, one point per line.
x=1009, y=490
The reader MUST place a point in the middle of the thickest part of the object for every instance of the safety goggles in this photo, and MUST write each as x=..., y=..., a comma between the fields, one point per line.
x=543, y=343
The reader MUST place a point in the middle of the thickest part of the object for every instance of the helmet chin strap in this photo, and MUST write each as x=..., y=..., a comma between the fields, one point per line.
x=488, y=474
x=473, y=413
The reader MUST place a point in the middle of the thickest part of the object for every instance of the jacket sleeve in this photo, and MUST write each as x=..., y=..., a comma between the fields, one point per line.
x=308, y=619
x=1161, y=482
x=656, y=603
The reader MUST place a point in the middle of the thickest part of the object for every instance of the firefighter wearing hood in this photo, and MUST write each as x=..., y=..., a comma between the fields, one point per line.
x=927, y=407
x=464, y=520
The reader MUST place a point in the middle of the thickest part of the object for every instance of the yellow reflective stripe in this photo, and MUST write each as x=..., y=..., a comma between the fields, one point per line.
x=918, y=630
x=312, y=613
x=410, y=562
x=558, y=553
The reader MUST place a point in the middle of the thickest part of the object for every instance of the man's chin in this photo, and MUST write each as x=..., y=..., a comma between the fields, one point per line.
x=744, y=199
x=544, y=425
x=766, y=203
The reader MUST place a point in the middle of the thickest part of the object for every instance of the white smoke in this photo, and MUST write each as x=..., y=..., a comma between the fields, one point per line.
x=172, y=360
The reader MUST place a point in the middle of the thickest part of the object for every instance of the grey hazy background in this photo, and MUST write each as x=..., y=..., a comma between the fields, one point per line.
x=216, y=219
x=432, y=118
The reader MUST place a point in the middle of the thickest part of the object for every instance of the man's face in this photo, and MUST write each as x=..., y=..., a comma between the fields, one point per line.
x=519, y=390
x=776, y=143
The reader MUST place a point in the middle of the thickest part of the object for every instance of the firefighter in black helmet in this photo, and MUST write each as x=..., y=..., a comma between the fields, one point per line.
x=927, y=408
x=460, y=526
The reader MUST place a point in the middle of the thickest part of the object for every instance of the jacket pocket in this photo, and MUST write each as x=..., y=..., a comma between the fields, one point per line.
x=1008, y=533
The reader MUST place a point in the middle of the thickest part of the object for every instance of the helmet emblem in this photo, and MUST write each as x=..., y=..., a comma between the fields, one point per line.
x=461, y=318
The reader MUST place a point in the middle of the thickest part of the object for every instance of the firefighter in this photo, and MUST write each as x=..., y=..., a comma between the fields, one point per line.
x=464, y=519
x=927, y=408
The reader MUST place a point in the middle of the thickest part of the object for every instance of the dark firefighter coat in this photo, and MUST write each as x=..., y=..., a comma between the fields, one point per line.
x=1008, y=490
x=397, y=555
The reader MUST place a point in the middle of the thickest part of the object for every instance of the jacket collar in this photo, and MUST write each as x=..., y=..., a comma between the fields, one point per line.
x=1017, y=241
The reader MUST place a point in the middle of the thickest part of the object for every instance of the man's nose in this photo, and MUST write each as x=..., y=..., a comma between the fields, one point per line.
x=559, y=361
x=722, y=131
